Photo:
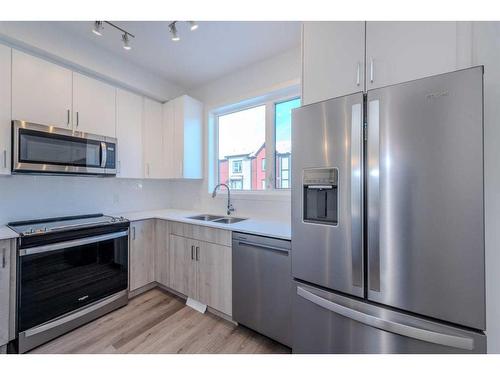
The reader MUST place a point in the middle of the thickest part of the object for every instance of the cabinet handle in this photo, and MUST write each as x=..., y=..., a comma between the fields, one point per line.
x=358, y=74
x=5, y=158
x=197, y=253
x=192, y=252
x=68, y=112
x=77, y=119
x=147, y=169
x=4, y=260
x=371, y=70
x=133, y=233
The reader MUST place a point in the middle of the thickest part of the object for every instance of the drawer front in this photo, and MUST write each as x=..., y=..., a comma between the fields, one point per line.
x=198, y=232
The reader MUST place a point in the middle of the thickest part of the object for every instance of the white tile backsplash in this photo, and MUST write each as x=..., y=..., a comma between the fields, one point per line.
x=28, y=197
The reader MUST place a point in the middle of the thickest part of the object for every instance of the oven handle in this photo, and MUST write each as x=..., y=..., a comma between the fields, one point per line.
x=73, y=243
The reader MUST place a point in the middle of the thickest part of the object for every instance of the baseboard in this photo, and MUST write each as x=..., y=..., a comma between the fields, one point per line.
x=142, y=289
x=184, y=297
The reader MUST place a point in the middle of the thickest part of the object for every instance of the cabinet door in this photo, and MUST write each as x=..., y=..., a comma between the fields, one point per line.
x=129, y=134
x=333, y=59
x=142, y=253
x=192, y=115
x=5, y=108
x=153, y=140
x=402, y=51
x=169, y=146
x=5, y=290
x=162, y=260
x=94, y=104
x=183, y=265
x=41, y=91
x=214, y=276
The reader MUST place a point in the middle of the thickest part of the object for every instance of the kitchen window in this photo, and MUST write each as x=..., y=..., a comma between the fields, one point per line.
x=248, y=138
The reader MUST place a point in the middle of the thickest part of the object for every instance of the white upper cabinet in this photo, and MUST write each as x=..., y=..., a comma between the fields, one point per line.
x=41, y=91
x=94, y=106
x=402, y=51
x=333, y=59
x=182, y=129
x=129, y=120
x=153, y=146
x=5, y=92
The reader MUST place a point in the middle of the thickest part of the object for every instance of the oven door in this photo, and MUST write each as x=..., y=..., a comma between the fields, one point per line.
x=46, y=149
x=61, y=277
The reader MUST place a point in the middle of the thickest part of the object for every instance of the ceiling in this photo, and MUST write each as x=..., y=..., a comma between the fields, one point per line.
x=216, y=48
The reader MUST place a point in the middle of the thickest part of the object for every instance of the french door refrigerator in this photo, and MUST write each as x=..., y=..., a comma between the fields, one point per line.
x=387, y=219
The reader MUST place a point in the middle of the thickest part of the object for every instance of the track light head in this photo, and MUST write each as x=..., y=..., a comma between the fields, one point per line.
x=173, y=31
x=98, y=27
x=126, y=42
x=193, y=25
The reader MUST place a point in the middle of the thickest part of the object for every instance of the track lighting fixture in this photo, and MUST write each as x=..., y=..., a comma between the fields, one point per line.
x=173, y=31
x=99, y=26
x=193, y=25
x=126, y=42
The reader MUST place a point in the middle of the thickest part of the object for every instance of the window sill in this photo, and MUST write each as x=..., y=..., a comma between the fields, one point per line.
x=257, y=195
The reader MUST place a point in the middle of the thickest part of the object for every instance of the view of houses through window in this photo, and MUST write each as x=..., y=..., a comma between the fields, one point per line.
x=242, y=147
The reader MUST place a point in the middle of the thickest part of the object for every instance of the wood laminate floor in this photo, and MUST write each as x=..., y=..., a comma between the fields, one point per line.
x=159, y=322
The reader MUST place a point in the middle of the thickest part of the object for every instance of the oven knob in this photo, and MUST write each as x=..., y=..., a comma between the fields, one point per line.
x=113, y=219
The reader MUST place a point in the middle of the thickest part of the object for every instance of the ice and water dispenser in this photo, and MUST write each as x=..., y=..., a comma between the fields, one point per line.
x=320, y=200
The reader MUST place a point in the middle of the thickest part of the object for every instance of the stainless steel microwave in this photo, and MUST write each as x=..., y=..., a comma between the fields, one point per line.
x=46, y=149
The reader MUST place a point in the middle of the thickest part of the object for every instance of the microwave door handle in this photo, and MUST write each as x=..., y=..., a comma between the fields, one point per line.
x=104, y=154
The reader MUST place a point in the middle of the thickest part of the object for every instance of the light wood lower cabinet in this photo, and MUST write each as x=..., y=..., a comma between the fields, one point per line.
x=214, y=276
x=183, y=267
x=7, y=291
x=142, y=253
x=201, y=270
x=162, y=255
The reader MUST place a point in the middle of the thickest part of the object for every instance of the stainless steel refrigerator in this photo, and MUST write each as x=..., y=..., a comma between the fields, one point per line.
x=387, y=219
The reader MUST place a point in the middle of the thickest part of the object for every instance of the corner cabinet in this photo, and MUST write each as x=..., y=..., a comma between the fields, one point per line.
x=182, y=134
x=341, y=58
x=5, y=108
x=7, y=291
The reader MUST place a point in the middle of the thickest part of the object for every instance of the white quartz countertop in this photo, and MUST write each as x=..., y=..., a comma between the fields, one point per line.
x=7, y=233
x=261, y=227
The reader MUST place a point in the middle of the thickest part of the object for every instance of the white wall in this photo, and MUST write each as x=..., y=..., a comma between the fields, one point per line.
x=486, y=51
x=25, y=197
x=256, y=80
x=33, y=197
x=48, y=40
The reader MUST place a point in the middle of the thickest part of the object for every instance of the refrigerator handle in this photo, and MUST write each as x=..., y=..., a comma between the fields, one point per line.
x=356, y=194
x=460, y=342
x=373, y=189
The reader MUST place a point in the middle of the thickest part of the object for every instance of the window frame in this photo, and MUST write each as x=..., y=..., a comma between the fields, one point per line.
x=269, y=100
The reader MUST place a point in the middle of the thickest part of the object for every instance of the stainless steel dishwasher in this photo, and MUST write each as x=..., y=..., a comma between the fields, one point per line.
x=262, y=285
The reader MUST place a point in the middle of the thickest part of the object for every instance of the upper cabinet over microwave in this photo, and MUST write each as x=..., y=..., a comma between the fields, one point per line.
x=46, y=93
x=336, y=63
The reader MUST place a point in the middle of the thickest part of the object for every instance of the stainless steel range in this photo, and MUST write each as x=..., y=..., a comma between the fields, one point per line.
x=70, y=270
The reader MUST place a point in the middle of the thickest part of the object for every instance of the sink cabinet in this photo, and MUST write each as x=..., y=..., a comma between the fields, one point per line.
x=200, y=264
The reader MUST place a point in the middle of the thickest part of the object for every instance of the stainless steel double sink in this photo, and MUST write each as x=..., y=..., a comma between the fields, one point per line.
x=217, y=219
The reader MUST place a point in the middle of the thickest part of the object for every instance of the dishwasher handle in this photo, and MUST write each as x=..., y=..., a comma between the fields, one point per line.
x=263, y=246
